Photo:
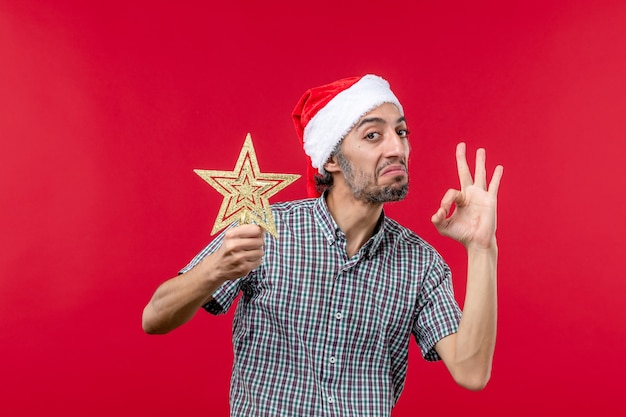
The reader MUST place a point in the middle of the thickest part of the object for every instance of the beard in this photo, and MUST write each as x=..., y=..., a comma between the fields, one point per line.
x=363, y=186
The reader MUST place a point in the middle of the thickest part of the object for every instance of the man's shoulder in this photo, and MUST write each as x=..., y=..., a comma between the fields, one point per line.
x=295, y=218
x=294, y=204
x=405, y=236
x=294, y=210
x=302, y=204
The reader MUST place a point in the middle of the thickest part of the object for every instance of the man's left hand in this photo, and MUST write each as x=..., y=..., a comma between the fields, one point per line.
x=473, y=220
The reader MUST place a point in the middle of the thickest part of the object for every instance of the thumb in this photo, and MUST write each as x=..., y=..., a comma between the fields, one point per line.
x=439, y=218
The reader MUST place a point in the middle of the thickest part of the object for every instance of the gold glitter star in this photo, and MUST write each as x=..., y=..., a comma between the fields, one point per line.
x=246, y=191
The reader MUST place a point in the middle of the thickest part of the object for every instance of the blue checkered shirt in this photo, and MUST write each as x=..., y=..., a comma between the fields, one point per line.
x=317, y=333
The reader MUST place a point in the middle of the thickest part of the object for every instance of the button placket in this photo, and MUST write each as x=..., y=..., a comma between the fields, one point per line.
x=335, y=326
x=334, y=339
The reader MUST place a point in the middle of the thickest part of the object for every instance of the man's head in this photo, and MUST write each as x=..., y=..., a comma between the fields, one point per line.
x=371, y=160
x=325, y=115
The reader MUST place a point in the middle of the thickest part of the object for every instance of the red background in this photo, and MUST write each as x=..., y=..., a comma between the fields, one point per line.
x=107, y=107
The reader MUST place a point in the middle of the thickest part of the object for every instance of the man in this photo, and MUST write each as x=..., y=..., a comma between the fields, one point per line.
x=327, y=309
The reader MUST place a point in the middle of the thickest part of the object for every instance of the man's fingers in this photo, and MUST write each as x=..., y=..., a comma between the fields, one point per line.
x=248, y=244
x=480, y=174
x=247, y=231
x=465, y=176
x=450, y=197
x=246, y=237
x=439, y=218
x=254, y=255
x=494, y=184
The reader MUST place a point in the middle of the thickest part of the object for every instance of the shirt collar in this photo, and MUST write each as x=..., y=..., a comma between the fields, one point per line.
x=325, y=219
x=331, y=229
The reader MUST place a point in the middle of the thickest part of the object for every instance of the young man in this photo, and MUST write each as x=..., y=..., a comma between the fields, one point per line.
x=328, y=309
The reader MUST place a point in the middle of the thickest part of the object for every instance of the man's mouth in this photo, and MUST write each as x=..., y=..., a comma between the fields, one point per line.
x=393, y=169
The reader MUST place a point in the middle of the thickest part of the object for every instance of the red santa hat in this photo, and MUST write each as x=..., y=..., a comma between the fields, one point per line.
x=325, y=114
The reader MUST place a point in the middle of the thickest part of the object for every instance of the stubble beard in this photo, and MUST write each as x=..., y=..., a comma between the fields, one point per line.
x=361, y=184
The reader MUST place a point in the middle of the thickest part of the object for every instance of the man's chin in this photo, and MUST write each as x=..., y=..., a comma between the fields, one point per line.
x=398, y=194
x=387, y=194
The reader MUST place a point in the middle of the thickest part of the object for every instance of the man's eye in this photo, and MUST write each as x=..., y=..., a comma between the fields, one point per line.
x=403, y=133
x=372, y=136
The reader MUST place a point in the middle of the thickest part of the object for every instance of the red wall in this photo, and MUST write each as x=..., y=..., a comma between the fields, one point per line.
x=107, y=107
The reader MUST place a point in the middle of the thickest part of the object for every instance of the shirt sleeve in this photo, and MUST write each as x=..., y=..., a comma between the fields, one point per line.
x=225, y=295
x=438, y=312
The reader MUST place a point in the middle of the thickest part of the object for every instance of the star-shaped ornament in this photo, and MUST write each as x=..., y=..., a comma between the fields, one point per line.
x=246, y=191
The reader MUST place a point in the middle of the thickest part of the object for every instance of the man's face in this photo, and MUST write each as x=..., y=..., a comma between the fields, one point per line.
x=373, y=156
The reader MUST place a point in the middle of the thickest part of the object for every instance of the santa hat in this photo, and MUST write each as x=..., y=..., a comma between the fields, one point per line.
x=325, y=114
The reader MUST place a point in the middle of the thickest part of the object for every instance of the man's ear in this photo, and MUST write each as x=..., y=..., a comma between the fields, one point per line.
x=332, y=165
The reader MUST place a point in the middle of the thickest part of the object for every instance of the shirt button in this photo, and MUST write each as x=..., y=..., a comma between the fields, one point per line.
x=331, y=400
x=338, y=316
x=332, y=359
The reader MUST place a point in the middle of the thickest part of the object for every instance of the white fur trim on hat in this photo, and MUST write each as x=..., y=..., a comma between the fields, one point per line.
x=330, y=124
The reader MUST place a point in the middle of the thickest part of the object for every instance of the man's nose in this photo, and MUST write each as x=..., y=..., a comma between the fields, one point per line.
x=394, y=144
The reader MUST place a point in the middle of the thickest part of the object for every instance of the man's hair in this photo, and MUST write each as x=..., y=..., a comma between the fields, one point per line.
x=324, y=181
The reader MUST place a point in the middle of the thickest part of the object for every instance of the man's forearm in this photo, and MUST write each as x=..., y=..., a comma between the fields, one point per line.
x=177, y=300
x=476, y=336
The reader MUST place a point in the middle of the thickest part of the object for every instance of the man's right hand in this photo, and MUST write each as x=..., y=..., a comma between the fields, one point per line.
x=241, y=251
x=179, y=298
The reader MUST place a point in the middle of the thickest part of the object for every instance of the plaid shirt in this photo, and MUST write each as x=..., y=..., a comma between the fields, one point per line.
x=317, y=333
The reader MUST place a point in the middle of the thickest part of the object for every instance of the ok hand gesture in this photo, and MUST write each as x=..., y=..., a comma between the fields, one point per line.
x=473, y=222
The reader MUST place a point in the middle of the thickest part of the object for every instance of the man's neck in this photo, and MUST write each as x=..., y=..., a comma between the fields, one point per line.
x=356, y=219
